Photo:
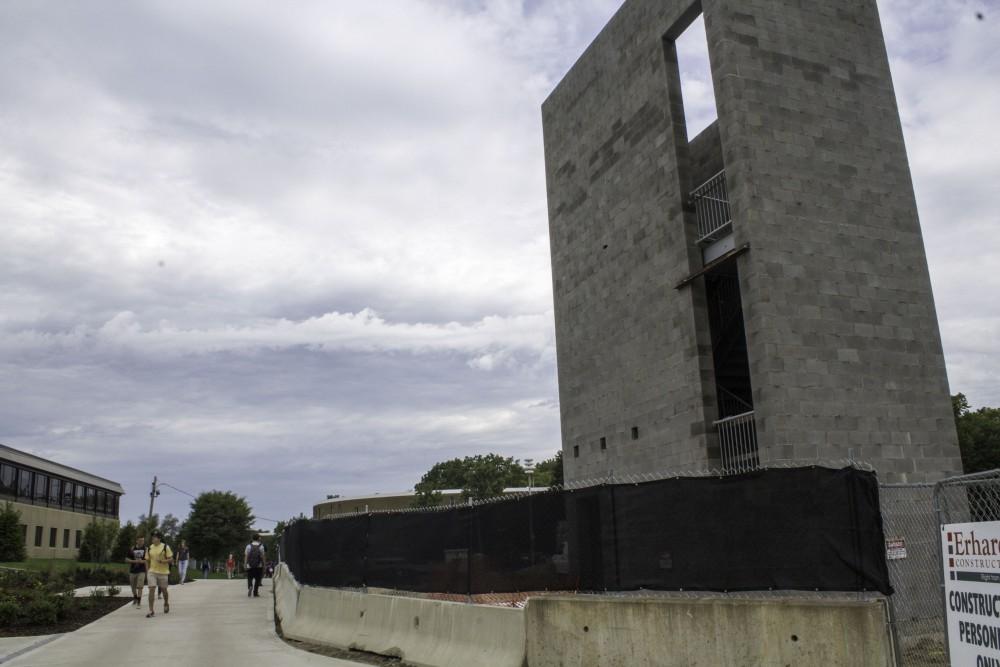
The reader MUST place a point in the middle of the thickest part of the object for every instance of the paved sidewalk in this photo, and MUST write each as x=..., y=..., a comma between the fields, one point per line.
x=211, y=623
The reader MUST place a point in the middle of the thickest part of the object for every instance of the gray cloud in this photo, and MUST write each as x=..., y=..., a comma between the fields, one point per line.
x=303, y=252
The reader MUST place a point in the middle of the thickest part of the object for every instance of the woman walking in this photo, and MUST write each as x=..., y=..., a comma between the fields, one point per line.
x=230, y=566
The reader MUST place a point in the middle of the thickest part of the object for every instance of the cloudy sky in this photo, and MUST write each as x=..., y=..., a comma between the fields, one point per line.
x=300, y=252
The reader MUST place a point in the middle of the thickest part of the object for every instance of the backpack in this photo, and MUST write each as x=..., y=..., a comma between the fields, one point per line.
x=254, y=558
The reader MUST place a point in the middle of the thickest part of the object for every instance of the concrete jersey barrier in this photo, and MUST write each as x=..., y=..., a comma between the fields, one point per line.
x=426, y=633
x=625, y=632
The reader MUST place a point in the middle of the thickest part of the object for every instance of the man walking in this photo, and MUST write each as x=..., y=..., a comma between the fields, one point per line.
x=137, y=569
x=158, y=558
x=253, y=560
x=182, y=560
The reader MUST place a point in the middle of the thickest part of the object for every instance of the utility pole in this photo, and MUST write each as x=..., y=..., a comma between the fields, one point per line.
x=153, y=492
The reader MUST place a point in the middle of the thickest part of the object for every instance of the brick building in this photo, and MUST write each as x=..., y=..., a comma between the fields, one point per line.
x=759, y=292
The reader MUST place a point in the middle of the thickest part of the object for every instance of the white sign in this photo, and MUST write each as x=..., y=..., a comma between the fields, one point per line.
x=971, y=554
x=895, y=548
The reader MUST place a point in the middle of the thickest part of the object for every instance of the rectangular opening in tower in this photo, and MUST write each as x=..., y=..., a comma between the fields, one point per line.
x=697, y=91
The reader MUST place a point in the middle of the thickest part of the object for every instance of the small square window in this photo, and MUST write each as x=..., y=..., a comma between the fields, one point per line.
x=576, y=451
x=604, y=443
x=635, y=432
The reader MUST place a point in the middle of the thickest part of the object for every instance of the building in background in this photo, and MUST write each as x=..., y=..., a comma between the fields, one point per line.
x=399, y=500
x=758, y=292
x=56, y=502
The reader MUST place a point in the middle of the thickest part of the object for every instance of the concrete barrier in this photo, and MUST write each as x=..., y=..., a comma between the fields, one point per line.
x=578, y=631
x=286, y=594
x=426, y=633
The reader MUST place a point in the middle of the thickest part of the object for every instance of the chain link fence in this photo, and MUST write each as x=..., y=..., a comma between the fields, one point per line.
x=912, y=516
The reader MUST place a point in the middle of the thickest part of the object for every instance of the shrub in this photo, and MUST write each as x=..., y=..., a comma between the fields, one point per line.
x=99, y=576
x=42, y=611
x=10, y=610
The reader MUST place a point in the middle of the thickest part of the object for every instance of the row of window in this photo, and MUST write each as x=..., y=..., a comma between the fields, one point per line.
x=604, y=442
x=38, y=488
x=53, y=536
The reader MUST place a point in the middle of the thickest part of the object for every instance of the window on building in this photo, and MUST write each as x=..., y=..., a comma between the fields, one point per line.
x=79, y=497
x=41, y=486
x=79, y=538
x=55, y=491
x=53, y=535
x=65, y=538
x=635, y=432
x=114, y=504
x=67, y=495
x=576, y=451
x=695, y=70
x=604, y=443
x=8, y=478
x=91, y=499
x=38, y=535
x=24, y=533
x=23, y=483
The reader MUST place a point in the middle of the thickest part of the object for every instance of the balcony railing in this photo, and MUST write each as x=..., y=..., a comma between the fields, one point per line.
x=711, y=205
x=738, y=443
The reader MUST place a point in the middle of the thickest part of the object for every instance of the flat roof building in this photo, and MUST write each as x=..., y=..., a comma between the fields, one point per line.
x=758, y=292
x=56, y=502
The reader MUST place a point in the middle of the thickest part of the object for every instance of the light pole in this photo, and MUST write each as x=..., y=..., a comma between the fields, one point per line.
x=153, y=492
x=529, y=467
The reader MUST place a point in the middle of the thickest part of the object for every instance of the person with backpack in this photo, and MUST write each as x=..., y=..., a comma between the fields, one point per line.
x=158, y=559
x=137, y=569
x=253, y=560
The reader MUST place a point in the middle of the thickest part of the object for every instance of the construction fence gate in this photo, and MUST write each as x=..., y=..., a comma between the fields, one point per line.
x=913, y=516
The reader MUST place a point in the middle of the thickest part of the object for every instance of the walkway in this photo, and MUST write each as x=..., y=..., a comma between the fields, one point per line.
x=211, y=623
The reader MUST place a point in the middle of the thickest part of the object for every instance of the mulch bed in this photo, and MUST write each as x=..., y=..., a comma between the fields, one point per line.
x=76, y=619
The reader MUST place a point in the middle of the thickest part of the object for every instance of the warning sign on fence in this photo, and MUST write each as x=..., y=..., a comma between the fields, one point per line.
x=971, y=555
x=895, y=548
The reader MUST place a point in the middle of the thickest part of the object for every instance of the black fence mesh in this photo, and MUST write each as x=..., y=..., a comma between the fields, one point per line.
x=809, y=528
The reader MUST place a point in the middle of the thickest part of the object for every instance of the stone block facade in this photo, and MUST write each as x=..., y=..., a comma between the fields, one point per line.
x=842, y=338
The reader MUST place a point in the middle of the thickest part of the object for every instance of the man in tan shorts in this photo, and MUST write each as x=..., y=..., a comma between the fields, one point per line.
x=137, y=569
x=158, y=559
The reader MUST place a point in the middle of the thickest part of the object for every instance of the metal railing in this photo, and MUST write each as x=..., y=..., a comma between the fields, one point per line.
x=738, y=443
x=711, y=205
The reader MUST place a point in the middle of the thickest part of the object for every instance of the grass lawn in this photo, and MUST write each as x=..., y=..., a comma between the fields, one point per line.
x=60, y=564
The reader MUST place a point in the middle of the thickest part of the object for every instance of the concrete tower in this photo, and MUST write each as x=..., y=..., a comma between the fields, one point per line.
x=760, y=292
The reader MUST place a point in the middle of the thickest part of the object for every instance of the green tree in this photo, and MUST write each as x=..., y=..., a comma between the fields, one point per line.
x=126, y=538
x=170, y=527
x=11, y=540
x=480, y=476
x=98, y=540
x=549, y=472
x=219, y=522
x=978, y=435
x=147, y=524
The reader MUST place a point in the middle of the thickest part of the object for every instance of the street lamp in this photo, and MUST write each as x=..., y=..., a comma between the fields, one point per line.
x=529, y=467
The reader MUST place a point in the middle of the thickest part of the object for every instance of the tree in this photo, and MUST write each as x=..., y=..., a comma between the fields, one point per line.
x=98, y=540
x=978, y=435
x=549, y=472
x=170, y=527
x=11, y=539
x=127, y=535
x=480, y=476
x=219, y=522
x=147, y=524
